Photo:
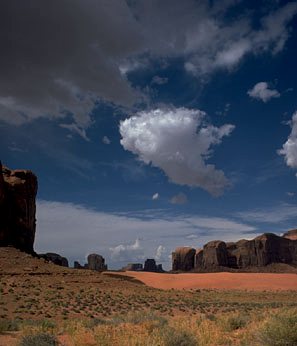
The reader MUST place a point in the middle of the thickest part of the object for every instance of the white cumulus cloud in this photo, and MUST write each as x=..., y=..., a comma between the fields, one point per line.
x=179, y=141
x=289, y=149
x=125, y=252
x=160, y=252
x=261, y=91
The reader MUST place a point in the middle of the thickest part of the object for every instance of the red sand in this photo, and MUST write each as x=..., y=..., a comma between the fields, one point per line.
x=228, y=281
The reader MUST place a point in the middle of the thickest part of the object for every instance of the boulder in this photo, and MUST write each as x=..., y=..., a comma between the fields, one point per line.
x=96, y=262
x=183, y=258
x=18, y=189
x=55, y=258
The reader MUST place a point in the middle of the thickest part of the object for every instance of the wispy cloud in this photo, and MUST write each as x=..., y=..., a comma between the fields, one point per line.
x=273, y=215
x=75, y=230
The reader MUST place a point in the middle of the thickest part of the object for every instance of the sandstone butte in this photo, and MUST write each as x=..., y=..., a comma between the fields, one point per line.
x=264, y=250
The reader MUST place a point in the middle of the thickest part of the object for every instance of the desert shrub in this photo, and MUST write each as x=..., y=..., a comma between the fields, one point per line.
x=173, y=337
x=43, y=325
x=8, y=325
x=235, y=322
x=94, y=322
x=41, y=339
x=141, y=317
x=280, y=330
x=210, y=317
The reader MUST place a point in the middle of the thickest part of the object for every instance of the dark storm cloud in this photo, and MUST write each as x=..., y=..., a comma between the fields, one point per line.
x=59, y=57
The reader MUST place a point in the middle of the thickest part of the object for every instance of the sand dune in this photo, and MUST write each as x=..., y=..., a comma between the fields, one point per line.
x=229, y=281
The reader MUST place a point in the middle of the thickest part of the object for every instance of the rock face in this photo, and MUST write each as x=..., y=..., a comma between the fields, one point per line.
x=266, y=249
x=151, y=266
x=77, y=265
x=18, y=189
x=55, y=258
x=183, y=258
x=292, y=234
x=96, y=262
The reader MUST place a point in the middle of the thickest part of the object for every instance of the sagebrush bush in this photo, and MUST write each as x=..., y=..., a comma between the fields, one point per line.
x=280, y=330
x=235, y=322
x=173, y=337
x=41, y=339
x=8, y=325
x=141, y=317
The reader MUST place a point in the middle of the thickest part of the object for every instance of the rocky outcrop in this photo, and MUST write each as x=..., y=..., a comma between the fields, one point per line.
x=151, y=266
x=292, y=234
x=266, y=249
x=55, y=258
x=214, y=254
x=77, y=265
x=96, y=262
x=18, y=189
x=183, y=258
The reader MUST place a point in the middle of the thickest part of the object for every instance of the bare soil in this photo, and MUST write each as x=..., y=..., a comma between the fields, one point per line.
x=219, y=281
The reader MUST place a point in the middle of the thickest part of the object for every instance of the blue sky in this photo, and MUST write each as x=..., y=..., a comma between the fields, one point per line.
x=151, y=124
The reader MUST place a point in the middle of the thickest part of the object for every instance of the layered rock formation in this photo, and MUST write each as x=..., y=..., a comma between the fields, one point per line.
x=183, y=258
x=55, y=258
x=18, y=189
x=259, y=252
x=96, y=262
x=151, y=266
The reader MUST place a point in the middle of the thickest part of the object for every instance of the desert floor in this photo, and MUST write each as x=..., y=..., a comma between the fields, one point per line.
x=83, y=307
x=226, y=281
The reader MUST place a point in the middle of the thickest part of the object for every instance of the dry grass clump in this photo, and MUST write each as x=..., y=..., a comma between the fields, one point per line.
x=41, y=339
x=279, y=329
x=273, y=327
x=8, y=325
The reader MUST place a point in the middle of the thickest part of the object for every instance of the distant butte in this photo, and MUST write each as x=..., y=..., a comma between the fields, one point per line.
x=265, y=250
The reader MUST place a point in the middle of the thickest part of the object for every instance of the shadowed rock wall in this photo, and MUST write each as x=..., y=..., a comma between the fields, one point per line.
x=18, y=189
x=259, y=252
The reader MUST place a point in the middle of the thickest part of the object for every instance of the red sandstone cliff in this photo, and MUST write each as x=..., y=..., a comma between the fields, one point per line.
x=18, y=189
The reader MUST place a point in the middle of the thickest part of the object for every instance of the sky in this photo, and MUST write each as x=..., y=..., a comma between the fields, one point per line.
x=151, y=124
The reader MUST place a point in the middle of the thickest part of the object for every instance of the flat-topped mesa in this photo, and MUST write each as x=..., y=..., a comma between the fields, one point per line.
x=265, y=249
x=18, y=189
